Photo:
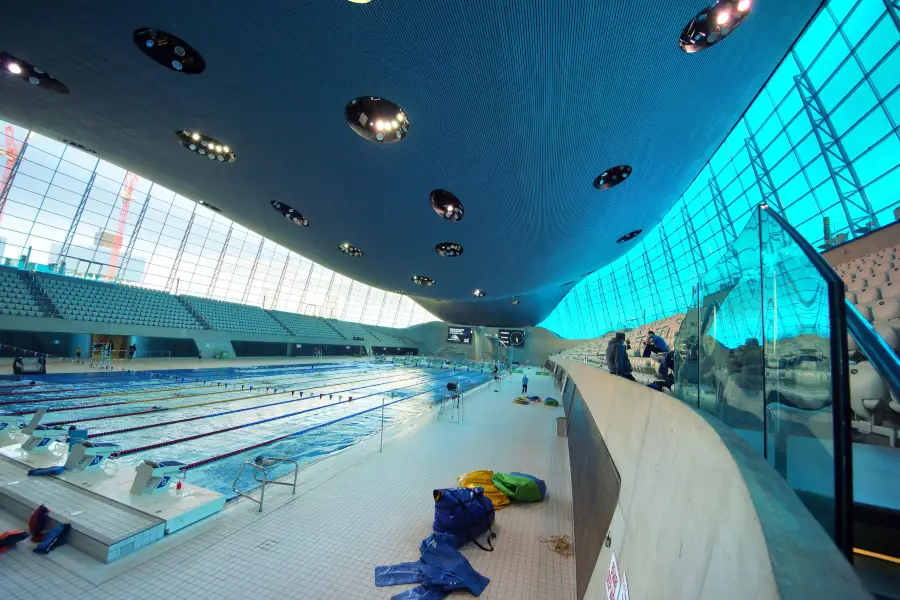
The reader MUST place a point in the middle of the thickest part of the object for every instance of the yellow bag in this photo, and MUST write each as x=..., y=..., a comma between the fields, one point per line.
x=483, y=479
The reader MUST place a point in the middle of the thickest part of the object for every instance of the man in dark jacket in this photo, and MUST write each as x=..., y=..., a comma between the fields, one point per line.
x=617, y=359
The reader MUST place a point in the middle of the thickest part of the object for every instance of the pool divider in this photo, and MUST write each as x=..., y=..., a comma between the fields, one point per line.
x=214, y=390
x=197, y=436
x=274, y=440
x=240, y=410
x=150, y=411
x=200, y=385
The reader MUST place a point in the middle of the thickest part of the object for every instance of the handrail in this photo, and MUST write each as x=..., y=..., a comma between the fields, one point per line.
x=267, y=461
x=882, y=356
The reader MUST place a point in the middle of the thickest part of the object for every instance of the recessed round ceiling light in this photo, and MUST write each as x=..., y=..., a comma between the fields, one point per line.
x=349, y=250
x=28, y=72
x=422, y=280
x=377, y=119
x=612, y=177
x=478, y=294
x=360, y=1
x=713, y=24
x=289, y=213
x=629, y=236
x=399, y=291
x=206, y=144
x=170, y=51
x=449, y=249
x=516, y=301
x=447, y=205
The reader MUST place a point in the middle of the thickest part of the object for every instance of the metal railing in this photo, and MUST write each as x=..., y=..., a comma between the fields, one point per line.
x=268, y=461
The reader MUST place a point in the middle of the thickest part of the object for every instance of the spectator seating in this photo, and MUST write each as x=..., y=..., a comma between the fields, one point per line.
x=380, y=334
x=350, y=330
x=83, y=300
x=228, y=316
x=307, y=326
x=15, y=297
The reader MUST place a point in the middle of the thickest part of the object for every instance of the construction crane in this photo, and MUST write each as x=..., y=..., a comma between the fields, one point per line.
x=11, y=151
x=131, y=180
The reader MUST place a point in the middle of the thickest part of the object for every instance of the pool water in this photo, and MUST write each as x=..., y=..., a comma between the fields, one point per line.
x=306, y=408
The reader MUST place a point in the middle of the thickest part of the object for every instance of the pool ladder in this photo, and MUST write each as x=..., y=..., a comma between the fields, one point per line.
x=268, y=461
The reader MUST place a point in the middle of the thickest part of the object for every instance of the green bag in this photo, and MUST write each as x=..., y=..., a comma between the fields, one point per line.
x=518, y=487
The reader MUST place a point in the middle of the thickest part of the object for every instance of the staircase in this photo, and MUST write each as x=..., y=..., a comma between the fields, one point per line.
x=195, y=314
x=277, y=320
x=334, y=329
x=42, y=300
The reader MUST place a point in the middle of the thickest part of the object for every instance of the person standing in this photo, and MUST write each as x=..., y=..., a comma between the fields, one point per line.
x=78, y=351
x=524, y=383
x=200, y=355
x=617, y=358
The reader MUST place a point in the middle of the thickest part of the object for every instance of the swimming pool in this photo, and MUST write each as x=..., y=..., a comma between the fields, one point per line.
x=212, y=420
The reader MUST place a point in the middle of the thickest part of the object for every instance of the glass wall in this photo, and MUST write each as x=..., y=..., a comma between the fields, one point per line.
x=65, y=210
x=821, y=141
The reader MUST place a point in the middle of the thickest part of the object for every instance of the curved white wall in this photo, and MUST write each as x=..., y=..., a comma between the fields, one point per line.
x=700, y=514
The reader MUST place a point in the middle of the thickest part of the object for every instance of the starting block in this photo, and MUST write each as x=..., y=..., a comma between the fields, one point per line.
x=41, y=438
x=153, y=477
x=87, y=456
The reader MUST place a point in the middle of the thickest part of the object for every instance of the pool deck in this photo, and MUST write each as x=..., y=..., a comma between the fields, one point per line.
x=353, y=511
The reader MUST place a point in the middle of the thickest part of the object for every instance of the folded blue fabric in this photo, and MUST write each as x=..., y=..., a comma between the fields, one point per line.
x=441, y=570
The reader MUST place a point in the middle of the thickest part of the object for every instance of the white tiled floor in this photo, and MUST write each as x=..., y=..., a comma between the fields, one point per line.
x=355, y=511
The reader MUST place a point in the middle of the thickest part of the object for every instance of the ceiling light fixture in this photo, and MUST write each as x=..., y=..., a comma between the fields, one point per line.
x=170, y=51
x=422, y=280
x=446, y=205
x=289, y=213
x=376, y=119
x=516, y=301
x=713, y=24
x=478, y=294
x=629, y=236
x=349, y=250
x=189, y=139
x=449, y=249
x=399, y=291
x=28, y=72
x=612, y=177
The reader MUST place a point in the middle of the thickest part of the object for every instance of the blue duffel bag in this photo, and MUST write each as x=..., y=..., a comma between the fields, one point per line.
x=464, y=514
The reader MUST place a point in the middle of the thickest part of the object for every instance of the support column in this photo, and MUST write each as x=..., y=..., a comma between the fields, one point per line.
x=669, y=258
x=262, y=242
x=180, y=253
x=76, y=219
x=220, y=261
x=284, y=269
x=131, y=241
x=726, y=225
x=763, y=177
x=853, y=198
x=7, y=185
x=693, y=242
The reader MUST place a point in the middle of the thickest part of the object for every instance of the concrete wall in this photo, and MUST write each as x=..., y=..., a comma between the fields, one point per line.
x=700, y=514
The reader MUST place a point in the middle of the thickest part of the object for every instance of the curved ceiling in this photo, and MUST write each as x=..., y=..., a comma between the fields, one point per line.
x=516, y=108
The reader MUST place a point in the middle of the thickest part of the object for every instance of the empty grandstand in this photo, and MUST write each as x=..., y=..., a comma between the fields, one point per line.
x=82, y=300
x=228, y=316
x=304, y=325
